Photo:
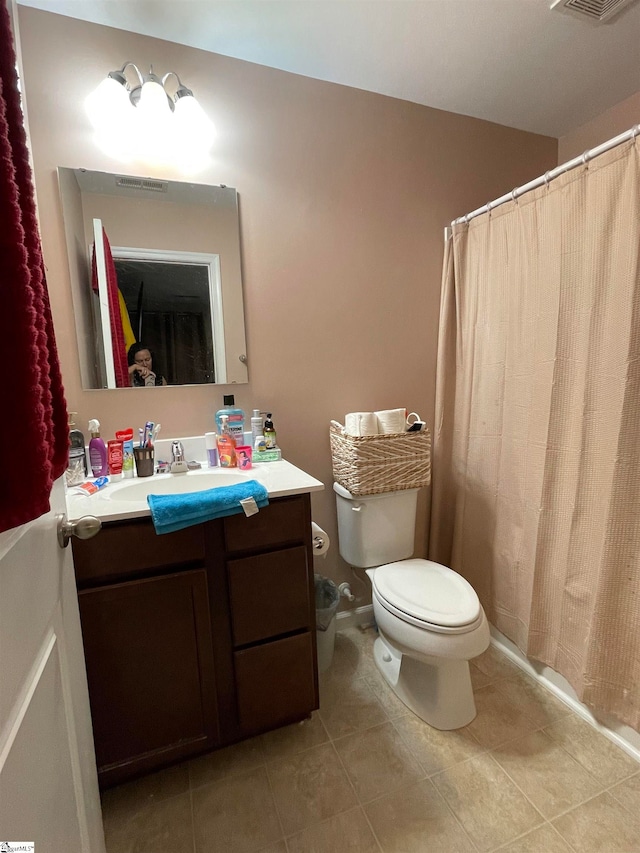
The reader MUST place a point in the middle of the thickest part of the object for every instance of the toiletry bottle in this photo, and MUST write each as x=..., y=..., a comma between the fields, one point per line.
x=97, y=451
x=259, y=445
x=269, y=433
x=256, y=425
x=77, y=469
x=235, y=420
x=226, y=445
x=126, y=437
x=115, y=458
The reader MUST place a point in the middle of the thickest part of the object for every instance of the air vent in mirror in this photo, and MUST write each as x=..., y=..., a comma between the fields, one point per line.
x=141, y=184
x=596, y=10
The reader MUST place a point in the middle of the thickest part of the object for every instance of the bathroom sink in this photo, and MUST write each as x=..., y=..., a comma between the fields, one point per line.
x=174, y=484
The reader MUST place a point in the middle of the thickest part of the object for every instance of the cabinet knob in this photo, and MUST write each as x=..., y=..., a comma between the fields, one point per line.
x=84, y=528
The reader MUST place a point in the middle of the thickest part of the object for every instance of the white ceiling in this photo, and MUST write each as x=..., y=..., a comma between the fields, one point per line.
x=509, y=61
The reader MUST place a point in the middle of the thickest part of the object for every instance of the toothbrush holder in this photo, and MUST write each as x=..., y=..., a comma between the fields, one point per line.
x=144, y=459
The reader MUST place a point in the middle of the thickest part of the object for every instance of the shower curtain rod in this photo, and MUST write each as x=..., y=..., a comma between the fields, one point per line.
x=549, y=176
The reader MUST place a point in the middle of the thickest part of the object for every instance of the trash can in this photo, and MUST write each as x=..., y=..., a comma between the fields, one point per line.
x=327, y=600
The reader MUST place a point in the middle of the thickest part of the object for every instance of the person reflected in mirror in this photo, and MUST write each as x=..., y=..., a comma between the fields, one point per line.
x=141, y=370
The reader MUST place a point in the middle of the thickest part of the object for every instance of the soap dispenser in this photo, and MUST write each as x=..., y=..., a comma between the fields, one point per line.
x=97, y=450
x=226, y=445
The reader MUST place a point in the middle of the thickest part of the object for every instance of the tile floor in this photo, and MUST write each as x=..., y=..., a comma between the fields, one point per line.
x=364, y=775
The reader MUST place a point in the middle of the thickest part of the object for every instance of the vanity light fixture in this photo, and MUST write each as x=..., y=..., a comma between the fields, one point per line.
x=149, y=118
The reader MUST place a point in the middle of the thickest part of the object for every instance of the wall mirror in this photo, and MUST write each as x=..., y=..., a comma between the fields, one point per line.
x=157, y=263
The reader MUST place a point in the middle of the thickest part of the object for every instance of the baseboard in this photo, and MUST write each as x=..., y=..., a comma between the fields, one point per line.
x=623, y=736
x=359, y=616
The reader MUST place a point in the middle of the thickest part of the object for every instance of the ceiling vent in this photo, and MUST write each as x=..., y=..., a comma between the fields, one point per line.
x=142, y=184
x=596, y=10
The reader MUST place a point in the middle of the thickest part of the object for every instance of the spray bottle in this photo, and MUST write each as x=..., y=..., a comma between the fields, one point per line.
x=97, y=451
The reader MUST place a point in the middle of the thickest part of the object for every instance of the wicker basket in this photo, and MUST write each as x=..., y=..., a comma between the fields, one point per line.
x=373, y=464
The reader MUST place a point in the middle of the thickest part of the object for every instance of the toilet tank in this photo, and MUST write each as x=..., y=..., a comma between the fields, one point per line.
x=375, y=529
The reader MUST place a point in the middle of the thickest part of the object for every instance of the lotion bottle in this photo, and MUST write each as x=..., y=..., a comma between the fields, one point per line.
x=256, y=425
x=97, y=451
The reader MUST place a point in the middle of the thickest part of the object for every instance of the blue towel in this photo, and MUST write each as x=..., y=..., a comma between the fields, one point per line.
x=173, y=512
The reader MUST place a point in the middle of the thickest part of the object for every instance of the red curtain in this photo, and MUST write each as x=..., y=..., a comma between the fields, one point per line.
x=33, y=425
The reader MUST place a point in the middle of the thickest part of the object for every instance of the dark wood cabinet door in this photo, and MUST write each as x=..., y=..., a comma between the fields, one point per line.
x=150, y=670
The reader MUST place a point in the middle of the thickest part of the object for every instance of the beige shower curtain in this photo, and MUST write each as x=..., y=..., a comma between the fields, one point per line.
x=536, y=476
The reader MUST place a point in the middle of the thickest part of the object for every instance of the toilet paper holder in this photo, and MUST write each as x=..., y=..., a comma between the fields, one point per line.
x=320, y=541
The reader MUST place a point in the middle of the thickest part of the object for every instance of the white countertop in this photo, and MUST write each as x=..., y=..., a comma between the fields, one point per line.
x=112, y=503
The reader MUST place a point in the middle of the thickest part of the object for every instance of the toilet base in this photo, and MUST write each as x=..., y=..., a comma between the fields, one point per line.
x=437, y=690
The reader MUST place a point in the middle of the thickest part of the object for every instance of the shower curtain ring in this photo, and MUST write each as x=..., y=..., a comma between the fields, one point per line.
x=514, y=195
x=585, y=158
x=635, y=130
x=546, y=179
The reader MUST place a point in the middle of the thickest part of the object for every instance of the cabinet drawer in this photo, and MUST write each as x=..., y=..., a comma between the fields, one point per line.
x=275, y=683
x=285, y=520
x=269, y=595
x=133, y=546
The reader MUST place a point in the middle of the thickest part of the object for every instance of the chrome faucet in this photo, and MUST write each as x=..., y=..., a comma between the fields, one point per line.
x=177, y=451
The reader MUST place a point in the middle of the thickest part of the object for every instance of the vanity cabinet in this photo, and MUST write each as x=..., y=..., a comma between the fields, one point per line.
x=196, y=639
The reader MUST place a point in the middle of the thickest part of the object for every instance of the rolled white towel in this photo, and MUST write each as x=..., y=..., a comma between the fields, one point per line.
x=391, y=421
x=361, y=423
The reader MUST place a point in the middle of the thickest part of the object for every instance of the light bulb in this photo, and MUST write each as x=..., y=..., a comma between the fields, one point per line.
x=107, y=104
x=154, y=125
x=153, y=103
x=193, y=123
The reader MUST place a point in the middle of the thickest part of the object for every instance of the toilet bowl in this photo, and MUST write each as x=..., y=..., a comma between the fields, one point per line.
x=431, y=624
x=430, y=620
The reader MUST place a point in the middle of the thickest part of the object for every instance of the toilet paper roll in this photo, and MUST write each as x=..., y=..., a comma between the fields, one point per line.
x=361, y=423
x=319, y=540
x=391, y=420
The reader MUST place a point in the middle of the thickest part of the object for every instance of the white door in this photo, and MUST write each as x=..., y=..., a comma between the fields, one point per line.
x=102, y=317
x=48, y=780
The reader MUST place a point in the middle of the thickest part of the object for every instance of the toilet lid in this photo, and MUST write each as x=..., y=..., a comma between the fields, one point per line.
x=427, y=591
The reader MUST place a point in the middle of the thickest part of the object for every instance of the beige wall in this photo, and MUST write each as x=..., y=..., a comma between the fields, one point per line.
x=611, y=123
x=344, y=195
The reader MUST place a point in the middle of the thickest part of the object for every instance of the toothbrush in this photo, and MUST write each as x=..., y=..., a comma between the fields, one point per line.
x=156, y=432
x=148, y=430
x=140, y=435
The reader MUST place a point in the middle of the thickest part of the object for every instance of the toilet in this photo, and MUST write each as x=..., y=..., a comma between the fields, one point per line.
x=429, y=618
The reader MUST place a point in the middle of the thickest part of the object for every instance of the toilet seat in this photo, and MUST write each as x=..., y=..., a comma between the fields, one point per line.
x=427, y=595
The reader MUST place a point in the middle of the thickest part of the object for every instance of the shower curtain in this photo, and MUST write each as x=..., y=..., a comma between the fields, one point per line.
x=536, y=475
